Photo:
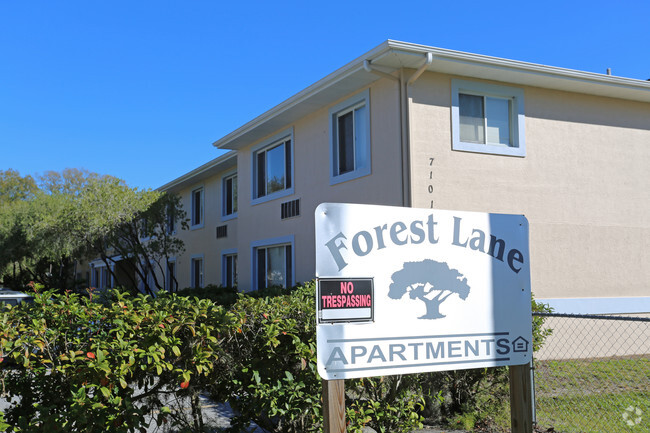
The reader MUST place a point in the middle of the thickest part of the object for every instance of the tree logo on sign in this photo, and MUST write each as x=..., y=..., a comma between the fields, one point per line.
x=431, y=282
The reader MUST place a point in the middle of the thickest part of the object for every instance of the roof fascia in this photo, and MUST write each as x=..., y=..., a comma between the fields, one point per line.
x=396, y=54
x=303, y=96
x=217, y=165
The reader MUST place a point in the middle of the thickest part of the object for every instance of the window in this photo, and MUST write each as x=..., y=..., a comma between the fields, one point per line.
x=171, y=283
x=197, y=272
x=95, y=281
x=229, y=267
x=229, y=205
x=350, y=139
x=106, y=278
x=197, y=208
x=487, y=118
x=273, y=263
x=272, y=169
x=171, y=220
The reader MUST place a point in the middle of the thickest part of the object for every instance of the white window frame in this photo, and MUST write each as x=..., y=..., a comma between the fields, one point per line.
x=201, y=222
x=194, y=284
x=224, y=264
x=224, y=197
x=517, y=117
x=362, y=167
x=170, y=221
x=270, y=243
x=168, y=280
x=276, y=140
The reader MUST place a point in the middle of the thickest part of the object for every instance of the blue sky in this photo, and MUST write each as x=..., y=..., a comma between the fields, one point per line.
x=141, y=89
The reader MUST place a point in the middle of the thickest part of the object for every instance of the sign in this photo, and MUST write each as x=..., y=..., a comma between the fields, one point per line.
x=447, y=290
x=344, y=300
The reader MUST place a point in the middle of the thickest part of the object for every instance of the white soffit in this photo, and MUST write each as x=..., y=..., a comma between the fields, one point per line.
x=394, y=55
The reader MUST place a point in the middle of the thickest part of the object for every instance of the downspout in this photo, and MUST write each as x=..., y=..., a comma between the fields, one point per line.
x=403, y=95
x=402, y=130
x=406, y=125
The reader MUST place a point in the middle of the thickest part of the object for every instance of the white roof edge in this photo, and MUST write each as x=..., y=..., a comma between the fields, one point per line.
x=392, y=46
x=519, y=65
x=304, y=94
x=221, y=160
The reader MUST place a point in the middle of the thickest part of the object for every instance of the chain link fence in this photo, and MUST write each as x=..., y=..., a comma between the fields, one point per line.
x=593, y=375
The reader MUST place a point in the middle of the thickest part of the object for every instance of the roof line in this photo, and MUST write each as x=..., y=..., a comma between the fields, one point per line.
x=393, y=46
x=462, y=56
x=197, y=171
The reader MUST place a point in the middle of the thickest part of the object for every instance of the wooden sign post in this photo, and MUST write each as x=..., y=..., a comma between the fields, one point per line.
x=334, y=406
x=521, y=406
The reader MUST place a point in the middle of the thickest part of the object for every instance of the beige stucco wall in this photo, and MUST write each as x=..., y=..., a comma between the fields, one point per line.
x=203, y=241
x=312, y=181
x=584, y=185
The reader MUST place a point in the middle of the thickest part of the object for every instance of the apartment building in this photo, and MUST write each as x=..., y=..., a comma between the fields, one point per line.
x=418, y=126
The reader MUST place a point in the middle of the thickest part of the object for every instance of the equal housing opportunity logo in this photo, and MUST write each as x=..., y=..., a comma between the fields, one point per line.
x=441, y=290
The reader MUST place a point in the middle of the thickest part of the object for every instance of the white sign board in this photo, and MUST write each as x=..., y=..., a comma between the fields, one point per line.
x=404, y=290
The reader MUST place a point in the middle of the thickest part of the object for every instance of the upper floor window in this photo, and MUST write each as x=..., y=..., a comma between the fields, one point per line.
x=350, y=138
x=488, y=118
x=197, y=208
x=229, y=194
x=272, y=169
x=171, y=220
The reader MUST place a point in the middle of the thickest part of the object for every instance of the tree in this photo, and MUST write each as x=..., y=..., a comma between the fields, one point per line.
x=46, y=230
x=14, y=187
x=149, y=242
x=429, y=281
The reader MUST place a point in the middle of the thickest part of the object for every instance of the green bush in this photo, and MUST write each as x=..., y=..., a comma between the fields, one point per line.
x=80, y=365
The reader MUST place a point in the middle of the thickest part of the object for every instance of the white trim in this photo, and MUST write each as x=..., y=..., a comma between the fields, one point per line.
x=206, y=170
x=192, y=259
x=272, y=242
x=283, y=136
x=228, y=174
x=224, y=253
x=392, y=55
x=618, y=305
x=202, y=223
x=518, y=118
x=170, y=260
x=358, y=100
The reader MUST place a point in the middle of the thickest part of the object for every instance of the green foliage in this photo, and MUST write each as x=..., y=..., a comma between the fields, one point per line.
x=44, y=230
x=79, y=365
x=82, y=365
x=147, y=239
x=540, y=333
x=14, y=187
x=220, y=295
x=386, y=404
x=269, y=370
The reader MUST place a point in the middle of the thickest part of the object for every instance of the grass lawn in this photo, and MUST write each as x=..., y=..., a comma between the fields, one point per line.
x=594, y=396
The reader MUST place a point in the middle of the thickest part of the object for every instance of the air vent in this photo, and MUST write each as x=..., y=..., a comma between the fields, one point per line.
x=222, y=231
x=290, y=209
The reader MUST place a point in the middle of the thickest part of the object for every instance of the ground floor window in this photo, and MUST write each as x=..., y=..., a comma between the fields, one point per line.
x=274, y=266
x=197, y=272
x=171, y=283
x=229, y=269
